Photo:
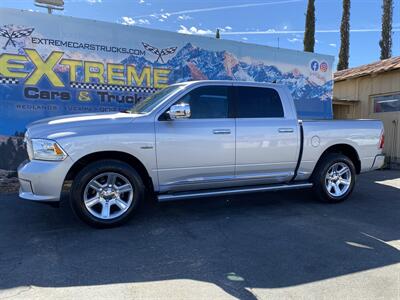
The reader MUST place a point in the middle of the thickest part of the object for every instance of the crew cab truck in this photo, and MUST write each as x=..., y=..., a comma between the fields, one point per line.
x=194, y=139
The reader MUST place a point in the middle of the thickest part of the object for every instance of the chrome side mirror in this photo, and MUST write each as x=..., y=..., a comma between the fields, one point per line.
x=179, y=111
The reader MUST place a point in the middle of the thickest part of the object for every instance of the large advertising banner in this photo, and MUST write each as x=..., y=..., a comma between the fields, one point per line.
x=54, y=65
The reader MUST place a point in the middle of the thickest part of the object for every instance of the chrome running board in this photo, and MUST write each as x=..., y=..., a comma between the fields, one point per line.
x=231, y=191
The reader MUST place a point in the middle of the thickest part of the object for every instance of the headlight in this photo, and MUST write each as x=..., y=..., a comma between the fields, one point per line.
x=43, y=149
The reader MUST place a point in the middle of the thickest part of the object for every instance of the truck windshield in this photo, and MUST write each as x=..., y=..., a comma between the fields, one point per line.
x=151, y=102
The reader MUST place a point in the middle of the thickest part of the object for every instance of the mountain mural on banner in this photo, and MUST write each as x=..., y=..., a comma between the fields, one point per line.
x=194, y=63
x=55, y=66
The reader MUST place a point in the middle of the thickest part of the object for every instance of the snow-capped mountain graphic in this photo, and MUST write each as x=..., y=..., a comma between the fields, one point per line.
x=195, y=63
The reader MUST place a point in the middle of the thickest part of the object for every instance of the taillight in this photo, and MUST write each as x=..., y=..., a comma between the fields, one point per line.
x=382, y=140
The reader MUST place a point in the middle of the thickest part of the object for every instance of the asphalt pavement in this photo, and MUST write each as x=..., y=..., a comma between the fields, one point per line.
x=257, y=246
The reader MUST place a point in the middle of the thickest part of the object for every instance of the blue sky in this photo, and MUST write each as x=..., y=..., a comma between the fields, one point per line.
x=268, y=22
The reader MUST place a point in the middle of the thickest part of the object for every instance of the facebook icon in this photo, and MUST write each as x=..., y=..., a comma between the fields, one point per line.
x=314, y=65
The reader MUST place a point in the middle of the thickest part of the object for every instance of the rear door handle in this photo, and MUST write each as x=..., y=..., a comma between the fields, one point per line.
x=222, y=131
x=285, y=130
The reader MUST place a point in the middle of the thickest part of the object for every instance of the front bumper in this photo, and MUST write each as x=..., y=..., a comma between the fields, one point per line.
x=42, y=181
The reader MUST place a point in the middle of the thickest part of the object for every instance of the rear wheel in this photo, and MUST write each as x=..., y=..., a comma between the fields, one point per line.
x=106, y=192
x=334, y=178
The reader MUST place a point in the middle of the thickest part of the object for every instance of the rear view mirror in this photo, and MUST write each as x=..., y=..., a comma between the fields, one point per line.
x=179, y=111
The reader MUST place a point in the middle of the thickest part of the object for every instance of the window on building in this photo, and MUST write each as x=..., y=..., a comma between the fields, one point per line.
x=387, y=103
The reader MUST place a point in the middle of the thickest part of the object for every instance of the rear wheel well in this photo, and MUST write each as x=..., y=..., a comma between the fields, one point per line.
x=117, y=155
x=346, y=150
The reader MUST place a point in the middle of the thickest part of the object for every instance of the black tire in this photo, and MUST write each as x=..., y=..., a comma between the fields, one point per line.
x=320, y=182
x=90, y=172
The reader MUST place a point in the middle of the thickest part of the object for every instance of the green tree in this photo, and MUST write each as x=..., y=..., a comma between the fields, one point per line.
x=344, y=37
x=3, y=156
x=386, y=39
x=217, y=34
x=309, y=32
x=12, y=153
x=9, y=153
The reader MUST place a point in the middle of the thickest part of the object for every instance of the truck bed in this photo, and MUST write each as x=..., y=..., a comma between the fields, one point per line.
x=320, y=135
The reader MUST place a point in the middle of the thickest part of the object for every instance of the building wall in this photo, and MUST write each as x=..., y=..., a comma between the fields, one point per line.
x=346, y=110
x=358, y=94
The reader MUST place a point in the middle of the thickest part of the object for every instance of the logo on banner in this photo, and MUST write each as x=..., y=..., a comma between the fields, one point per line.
x=323, y=66
x=12, y=35
x=159, y=52
x=319, y=66
x=314, y=65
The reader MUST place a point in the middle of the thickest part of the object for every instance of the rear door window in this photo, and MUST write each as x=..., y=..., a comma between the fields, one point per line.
x=258, y=102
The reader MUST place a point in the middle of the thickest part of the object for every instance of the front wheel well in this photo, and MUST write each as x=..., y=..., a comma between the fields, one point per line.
x=117, y=155
x=347, y=150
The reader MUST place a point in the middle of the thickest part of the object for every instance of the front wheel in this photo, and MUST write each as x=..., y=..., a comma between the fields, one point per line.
x=105, y=193
x=334, y=178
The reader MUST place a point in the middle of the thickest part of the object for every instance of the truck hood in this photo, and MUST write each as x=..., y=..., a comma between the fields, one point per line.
x=68, y=125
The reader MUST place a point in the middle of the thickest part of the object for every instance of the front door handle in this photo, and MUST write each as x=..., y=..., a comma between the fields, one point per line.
x=222, y=131
x=285, y=130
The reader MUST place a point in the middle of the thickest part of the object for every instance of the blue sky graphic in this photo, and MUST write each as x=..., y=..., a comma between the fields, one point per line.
x=273, y=22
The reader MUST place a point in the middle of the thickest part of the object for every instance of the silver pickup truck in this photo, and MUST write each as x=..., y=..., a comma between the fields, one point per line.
x=194, y=139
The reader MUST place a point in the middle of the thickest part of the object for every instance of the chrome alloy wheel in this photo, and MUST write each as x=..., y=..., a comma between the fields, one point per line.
x=108, y=195
x=338, y=179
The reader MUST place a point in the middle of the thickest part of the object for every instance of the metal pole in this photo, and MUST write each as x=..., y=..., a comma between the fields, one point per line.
x=50, y=5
